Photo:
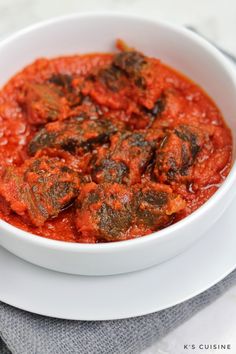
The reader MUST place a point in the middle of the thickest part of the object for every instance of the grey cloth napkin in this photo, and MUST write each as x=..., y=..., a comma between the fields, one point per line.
x=24, y=333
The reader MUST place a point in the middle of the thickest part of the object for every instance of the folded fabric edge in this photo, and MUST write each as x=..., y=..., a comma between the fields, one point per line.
x=119, y=336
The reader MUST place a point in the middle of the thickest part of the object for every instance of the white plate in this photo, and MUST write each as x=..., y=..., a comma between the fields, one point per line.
x=49, y=293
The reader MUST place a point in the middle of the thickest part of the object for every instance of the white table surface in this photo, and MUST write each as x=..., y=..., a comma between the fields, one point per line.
x=217, y=20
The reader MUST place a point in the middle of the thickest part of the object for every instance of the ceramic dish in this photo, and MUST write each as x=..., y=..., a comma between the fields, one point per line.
x=179, y=48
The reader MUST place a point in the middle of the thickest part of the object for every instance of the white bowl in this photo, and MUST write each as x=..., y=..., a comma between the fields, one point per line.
x=176, y=46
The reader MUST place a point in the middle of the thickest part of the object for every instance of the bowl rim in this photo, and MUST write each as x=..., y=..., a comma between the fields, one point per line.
x=158, y=235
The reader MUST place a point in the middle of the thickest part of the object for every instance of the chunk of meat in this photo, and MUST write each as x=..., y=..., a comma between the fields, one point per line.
x=79, y=164
x=125, y=66
x=108, y=170
x=44, y=104
x=39, y=189
x=76, y=135
x=156, y=206
x=64, y=84
x=129, y=155
x=120, y=84
x=112, y=78
x=147, y=116
x=131, y=63
x=114, y=212
x=62, y=80
x=134, y=151
x=177, y=153
x=128, y=84
x=104, y=212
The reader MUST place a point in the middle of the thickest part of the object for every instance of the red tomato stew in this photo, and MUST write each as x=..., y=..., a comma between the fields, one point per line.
x=107, y=147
